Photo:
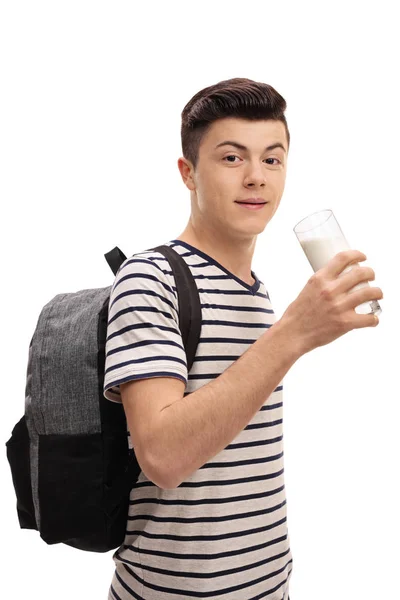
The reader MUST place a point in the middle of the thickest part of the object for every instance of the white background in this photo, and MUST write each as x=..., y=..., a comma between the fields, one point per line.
x=90, y=136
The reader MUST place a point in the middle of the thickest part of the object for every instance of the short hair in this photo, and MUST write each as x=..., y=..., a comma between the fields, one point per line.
x=238, y=97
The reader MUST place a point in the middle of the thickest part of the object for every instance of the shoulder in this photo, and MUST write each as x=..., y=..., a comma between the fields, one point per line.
x=147, y=263
x=147, y=260
x=146, y=276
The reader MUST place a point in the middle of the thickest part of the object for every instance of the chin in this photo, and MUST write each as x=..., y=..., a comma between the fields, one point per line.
x=247, y=233
x=255, y=228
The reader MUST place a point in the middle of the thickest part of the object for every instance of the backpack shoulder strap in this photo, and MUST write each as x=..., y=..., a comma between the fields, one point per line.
x=188, y=300
x=189, y=324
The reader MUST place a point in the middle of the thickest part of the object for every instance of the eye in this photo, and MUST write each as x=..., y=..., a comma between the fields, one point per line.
x=230, y=156
x=273, y=159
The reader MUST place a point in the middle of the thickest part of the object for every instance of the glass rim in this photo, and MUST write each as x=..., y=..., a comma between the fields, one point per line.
x=329, y=213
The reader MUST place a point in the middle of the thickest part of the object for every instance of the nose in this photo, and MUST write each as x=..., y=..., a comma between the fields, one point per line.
x=255, y=175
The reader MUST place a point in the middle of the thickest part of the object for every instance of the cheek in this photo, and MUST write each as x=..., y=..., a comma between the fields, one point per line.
x=216, y=190
x=209, y=192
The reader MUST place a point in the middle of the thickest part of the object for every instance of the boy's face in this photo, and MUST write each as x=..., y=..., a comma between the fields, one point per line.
x=227, y=173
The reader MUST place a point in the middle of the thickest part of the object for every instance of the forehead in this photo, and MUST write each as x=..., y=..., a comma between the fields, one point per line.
x=246, y=132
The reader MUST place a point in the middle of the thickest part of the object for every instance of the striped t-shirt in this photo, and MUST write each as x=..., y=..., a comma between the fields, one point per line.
x=222, y=533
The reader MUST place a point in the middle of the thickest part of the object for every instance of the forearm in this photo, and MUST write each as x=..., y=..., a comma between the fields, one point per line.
x=194, y=429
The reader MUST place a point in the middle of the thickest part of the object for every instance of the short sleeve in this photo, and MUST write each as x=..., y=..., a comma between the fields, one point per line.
x=143, y=336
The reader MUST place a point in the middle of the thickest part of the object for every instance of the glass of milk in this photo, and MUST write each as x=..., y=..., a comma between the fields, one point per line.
x=321, y=238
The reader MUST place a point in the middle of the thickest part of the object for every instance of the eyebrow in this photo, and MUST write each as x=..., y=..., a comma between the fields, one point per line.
x=244, y=148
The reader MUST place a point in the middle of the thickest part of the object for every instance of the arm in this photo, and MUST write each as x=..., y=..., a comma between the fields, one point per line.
x=174, y=436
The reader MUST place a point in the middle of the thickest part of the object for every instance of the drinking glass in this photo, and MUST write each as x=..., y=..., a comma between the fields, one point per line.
x=321, y=238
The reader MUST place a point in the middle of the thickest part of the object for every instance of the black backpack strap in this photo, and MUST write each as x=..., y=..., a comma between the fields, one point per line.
x=115, y=258
x=190, y=327
x=188, y=300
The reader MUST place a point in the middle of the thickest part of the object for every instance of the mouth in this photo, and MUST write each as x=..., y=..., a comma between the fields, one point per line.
x=252, y=203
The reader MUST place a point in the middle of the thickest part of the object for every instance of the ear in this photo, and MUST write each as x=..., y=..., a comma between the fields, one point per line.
x=187, y=173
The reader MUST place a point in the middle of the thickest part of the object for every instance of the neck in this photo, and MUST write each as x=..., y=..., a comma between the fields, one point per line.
x=233, y=254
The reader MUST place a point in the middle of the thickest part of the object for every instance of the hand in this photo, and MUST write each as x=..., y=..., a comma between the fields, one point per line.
x=324, y=309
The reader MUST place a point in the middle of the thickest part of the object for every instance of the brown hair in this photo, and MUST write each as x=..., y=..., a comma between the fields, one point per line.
x=239, y=97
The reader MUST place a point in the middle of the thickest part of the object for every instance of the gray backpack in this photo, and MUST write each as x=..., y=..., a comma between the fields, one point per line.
x=70, y=462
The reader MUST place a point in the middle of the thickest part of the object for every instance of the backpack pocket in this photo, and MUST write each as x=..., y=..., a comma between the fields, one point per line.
x=70, y=486
x=18, y=455
x=83, y=493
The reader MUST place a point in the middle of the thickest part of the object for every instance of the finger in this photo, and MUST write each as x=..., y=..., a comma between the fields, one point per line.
x=366, y=294
x=357, y=275
x=341, y=260
x=370, y=320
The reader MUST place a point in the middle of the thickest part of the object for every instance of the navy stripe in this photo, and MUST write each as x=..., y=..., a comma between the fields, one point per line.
x=231, y=292
x=211, y=375
x=219, y=482
x=274, y=589
x=149, y=309
x=148, y=359
x=151, y=260
x=144, y=343
x=224, y=340
x=262, y=425
x=214, y=593
x=199, y=377
x=235, y=324
x=197, y=519
x=155, y=374
x=240, y=463
x=258, y=294
x=199, y=265
x=262, y=442
x=279, y=388
x=114, y=593
x=142, y=276
x=219, y=357
x=200, y=501
x=221, y=573
x=216, y=357
x=168, y=271
x=272, y=406
x=209, y=538
x=226, y=292
x=239, y=308
x=143, y=326
x=142, y=292
x=216, y=555
x=126, y=587
x=147, y=261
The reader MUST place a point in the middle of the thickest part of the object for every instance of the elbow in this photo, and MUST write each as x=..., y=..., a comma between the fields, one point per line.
x=159, y=474
x=164, y=482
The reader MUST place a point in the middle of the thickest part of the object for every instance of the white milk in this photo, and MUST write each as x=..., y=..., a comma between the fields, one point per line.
x=320, y=250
